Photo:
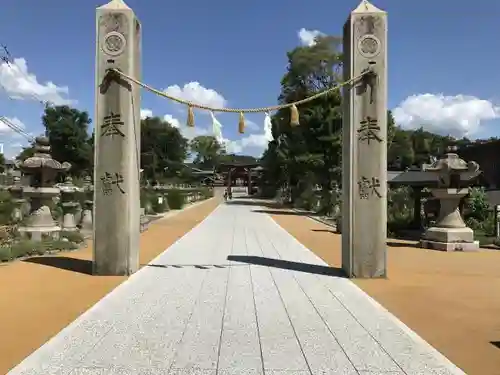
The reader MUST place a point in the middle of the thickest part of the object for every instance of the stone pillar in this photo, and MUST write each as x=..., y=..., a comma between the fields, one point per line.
x=117, y=139
x=364, y=168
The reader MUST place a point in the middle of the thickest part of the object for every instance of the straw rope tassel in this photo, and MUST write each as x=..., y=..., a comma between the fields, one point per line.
x=190, y=117
x=294, y=116
x=241, y=124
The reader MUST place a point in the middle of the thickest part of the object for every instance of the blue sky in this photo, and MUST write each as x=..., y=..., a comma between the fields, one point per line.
x=447, y=50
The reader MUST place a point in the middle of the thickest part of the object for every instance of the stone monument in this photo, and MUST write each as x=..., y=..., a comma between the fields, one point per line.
x=364, y=154
x=117, y=139
x=43, y=170
x=450, y=233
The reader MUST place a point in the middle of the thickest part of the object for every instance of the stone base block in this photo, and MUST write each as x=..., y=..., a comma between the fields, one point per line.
x=450, y=246
x=144, y=223
x=449, y=235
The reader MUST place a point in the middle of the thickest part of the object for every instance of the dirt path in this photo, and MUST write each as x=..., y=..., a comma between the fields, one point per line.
x=452, y=300
x=38, y=298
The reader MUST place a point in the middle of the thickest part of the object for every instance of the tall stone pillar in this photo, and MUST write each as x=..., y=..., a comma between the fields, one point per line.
x=364, y=160
x=117, y=141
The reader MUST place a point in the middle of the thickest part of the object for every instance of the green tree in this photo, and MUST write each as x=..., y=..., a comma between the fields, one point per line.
x=163, y=149
x=67, y=130
x=2, y=162
x=207, y=151
x=400, y=154
x=238, y=159
x=310, y=153
x=26, y=152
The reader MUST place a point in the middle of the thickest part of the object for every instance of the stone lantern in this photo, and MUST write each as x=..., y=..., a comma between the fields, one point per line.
x=450, y=233
x=43, y=171
x=86, y=224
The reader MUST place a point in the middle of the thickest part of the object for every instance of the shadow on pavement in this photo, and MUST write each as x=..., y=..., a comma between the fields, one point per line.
x=257, y=203
x=402, y=244
x=281, y=212
x=198, y=266
x=65, y=263
x=324, y=231
x=288, y=265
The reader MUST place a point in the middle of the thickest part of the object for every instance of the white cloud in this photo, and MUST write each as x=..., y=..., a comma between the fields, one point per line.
x=11, y=150
x=251, y=126
x=186, y=131
x=172, y=121
x=308, y=37
x=12, y=142
x=145, y=113
x=253, y=143
x=18, y=83
x=457, y=116
x=196, y=93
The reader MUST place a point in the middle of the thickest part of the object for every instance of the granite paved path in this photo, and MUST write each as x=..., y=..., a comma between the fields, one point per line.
x=236, y=296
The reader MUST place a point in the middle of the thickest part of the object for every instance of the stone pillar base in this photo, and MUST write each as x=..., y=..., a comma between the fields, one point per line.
x=450, y=246
x=440, y=234
x=449, y=239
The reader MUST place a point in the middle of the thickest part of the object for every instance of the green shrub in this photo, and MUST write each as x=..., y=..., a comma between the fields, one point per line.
x=59, y=245
x=399, y=209
x=5, y=254
x=27, y=247
x=148, y=198
x=477, y=206
x=6, y=207
x=206, y=193
x=307, y=199
x=176, y=199
x=75, y=237
x=159, y=207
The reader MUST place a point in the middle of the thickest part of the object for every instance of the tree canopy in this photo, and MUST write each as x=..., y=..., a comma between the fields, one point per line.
x=67, y=129
x=207, y=151
x=309, y=153
x=163, y=149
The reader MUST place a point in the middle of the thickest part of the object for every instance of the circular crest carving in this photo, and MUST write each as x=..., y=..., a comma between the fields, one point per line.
x=369, y=45
x=114, y=43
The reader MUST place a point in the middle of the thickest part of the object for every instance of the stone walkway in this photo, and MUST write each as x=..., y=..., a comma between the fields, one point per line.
x=237, y=295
